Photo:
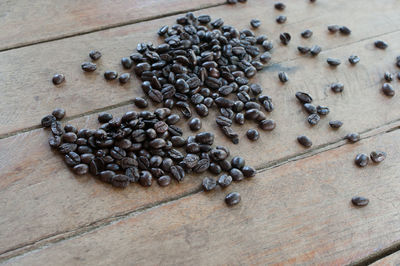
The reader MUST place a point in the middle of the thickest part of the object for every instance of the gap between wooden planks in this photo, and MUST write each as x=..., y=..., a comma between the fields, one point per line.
x=28, y=94
x=299, y=213
x=44, y=21
x=391, y=260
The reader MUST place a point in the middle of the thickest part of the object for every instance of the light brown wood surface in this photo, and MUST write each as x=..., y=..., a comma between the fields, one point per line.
x=28, y=94
x=299, y=213
x=391, y=260
x=28, y=22
x=45, y=203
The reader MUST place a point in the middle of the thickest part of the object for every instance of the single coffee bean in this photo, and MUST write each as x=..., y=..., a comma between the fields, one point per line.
x=140, y=102
x=177, y=172
x=224, y=180
x=267, y=124
x=315, y=50
x=359, y=201
x=388, y=76
x=303, y=49
x=388, y=90
x=57, y=130
x=164, y=180
x=124, y=78
x=248, y=171
x=322, y=110
x=72, y=159
x=335, y=124
x=344, y=30
x=54, y=141
x=58, y=79
x=81, y=169
x=285, y=38
x=361, y=160
x=305, y=141
x=126, y=62
x=267, y=45
x=236, y=174
x=110, y=74
x=281, y=19
x=353, y=137
x=48, y=120
x=95, y=55
x=58, y=113
x=232, y=198
x=354, y=59
x=205, y=138
x=252, y=134
x=311, y=109
x=313, y=119
x=209, y=183
x=378, y=156
x=223, y=121
x=333, y=62
x=279, y=6
x=86, y=158
x=333, y=28
x=107, y=176
x=255, y=23
x=381, y=44
x=120, y=181
x=283, y=77
x=238, y=162
x=306, y=34
x=303, y=97
x=337, y=87
x=70, y=128
x=145, y=178
x=67, y=147
x=88, y=66
x=104, y=117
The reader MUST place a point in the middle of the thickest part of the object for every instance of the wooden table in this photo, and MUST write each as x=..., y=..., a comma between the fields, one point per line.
x=296, y=210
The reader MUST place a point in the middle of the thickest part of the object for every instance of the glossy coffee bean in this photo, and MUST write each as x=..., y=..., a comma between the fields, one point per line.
x=164, y=180
x=140, y=102
x=335, y=124
x=58, y=113
x=361, y=160
x=94, y=55
x=48, y=120
x=306, y=34
x=88, y=66
x=124, y=78
x=333, y=62
x=58, y=79
x=353, y=137
x=224, y=180
x=236, y=174
x=354, y=59
x=232, y=198
x=195, y=124
x=381, y=44
x=81, y=169
x=303, y=97
x=313, y=119
x=337, y=87
x=110, y=75
x=209, y=183
x=359, y=201
x=378, y=156
x=252, y=134
x=388, y=90
x=305, y=141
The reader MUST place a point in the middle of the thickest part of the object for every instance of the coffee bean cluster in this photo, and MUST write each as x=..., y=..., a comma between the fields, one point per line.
x=362, y=159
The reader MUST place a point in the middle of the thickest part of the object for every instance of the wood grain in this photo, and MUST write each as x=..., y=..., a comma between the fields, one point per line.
x=299, y=213
x=391, y=260
x=27, y=93
x=44, y=21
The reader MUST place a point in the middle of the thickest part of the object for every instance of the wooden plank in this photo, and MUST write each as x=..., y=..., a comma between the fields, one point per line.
x=28, y=94
x=391, y=260
x=44, y=20
x=299, y=213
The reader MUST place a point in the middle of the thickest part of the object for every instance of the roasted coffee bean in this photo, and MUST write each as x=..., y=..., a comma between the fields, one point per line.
x=205, y=138
x=224, y=180
x=126, y=62
x=283, y=77
x=232, y=198
x=354, y=59
x=201, y=109
x=315, y=50
x=209, y=183
x=124, y=78
x=190, y=160
x=155, y=96
x=223, y=121
x=232, y=2
x=335, y=123
x=225, y=165
x=58, y=79
x=58, y=113
x=81, y=169
x=110, y=75
x=267, y=45
x=57, y=130
x=48, y=120
x=268, y=105
x=177, y=172
x=72, y=159
x=67, y=147
x=333, y=28
x=173, y=119
x=285, y=38
x=387, y=76
x=163, y=30
x=117, y=153
x=306, y=34
x=88, y=66
x=164, y=180
x=120, y=181
x=238, y=162
x=94, y=55
x=69, y=137
x=178, y=141
x=303, y=49
x=145, y=178
x=337, y=87
x=333, y=61
x=71, y=128
x=361, y=160
x=388, y=90
x=353, y=137
x=239, y=118
x=344, y=30
x=195, y=124
x=322, y=110
x=267, y=125
x=305, y=141
x=202, y=166
x=174, y=130
x=359, y=201
x=303, y=97
x=281, y=19
x=313, y=119
x=378, y=156
x=255, y=23
x=204, y=19
x=231, y=134
x=252, y=134
x=107, y=176
x=218, y=154
x=248, y=171
x=112, y=167
x=279, y=6
x=84, y=149
x=104, y=117
x=192, y=147
x=55, y=141
x=96, y=166
x=236, y=174
x=381, y=44
x=140, y=102
x=215, y=168
x=311, y=109
x=86, y=158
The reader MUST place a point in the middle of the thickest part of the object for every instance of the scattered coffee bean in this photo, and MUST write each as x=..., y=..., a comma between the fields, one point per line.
x=313, y=119
x=164, y=180
x=281, y=19
x=48, y=120
x=225, y=180
x=354, y=59
x=104, y=117
x=255, y=23
x=58, y=113
x=252, y=134
x=305, y=141
x=303, y=49
x=359, y=201
x=303, y=97
x=88, y=66
x=195, y=124
x=361, y=160
x=333, y=61
x=126, y=62
x=381, y=44
x=306, y=34
x=285, y=38
x=279, y=6
x=124, y=78
x=140, y=102
x=267, y=45
x=248, y=171
x=333, y=28
x=378, y=156
x=265, y=57
x=81, y=169
x=322, y=110
x=353, y=137
x=232, y=198
x=283, y=77
x=95, y=55
x=388, y=76
x=315, y=50
x=267, y=124
x=335, y=124
x=388, y=90
x=110, y=75
x=344, y=30
x=209, y=183
x=311, y=109
x=337, y=87
x=58, y=79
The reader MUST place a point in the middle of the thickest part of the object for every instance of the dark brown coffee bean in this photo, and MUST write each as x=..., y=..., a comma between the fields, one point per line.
x=81, y=169
x=381, y=44
x=58, y=79
x=315, y=50
x=335, y=123
x=71, y=128
x=190, y=160
x=117, y=153
x=54, y=141
x=313, y=119
x=283, y=77
x=344, y=30
x=248, y=171
x=58, y=113
x=72, y=159
x=281, y=19
x=110, y=75
x=201, y=109
x=202, y=166
x=359, y=201
x=305, y=141
x=223, y=121
x=266, y=57
x=354, y=59
x=388, y=90
x=378, y=156
x=177, y=172
x=333, y=61
x=195, y=124
x=94, y=55
x=48, y=120
x=387, y=76
x=124, y=78
x=333, y=28
x=69, y=137
x=337, y=87
x=322, y=110
x=175, y=131
x=285, y=38
x=214, y=168
x=163, y=30
x=205, y=138
x=204, y=19
x=67, y=147
x=255, y=23
x=104, y=117
x=238, y=162
x=120, y=181
x=279, y=6
x=232, y=198
x=311, y=109
x=224, y=180
x=57, y=130
x=353, y=137
x=133, y=174
x=164, y=180
x=145, y=179
x=209, y=183
x=88, y=66
x=239, y=118
x=126, y=62
x=140, y=102
x=112, y=167
x=96, y=166
x=303, y=49
x=252, y=134
x=267, y=125
x=306, y=34
x=267, y=45
x=361, y=160
x=236, y=174
x=107, y=176
x=218, y=154
x=86, y=158
x=303, y=97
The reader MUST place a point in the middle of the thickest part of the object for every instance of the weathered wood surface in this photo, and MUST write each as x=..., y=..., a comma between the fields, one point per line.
x=299, y=213
x=27, y=93
x=27, y=22
x=391, y=260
